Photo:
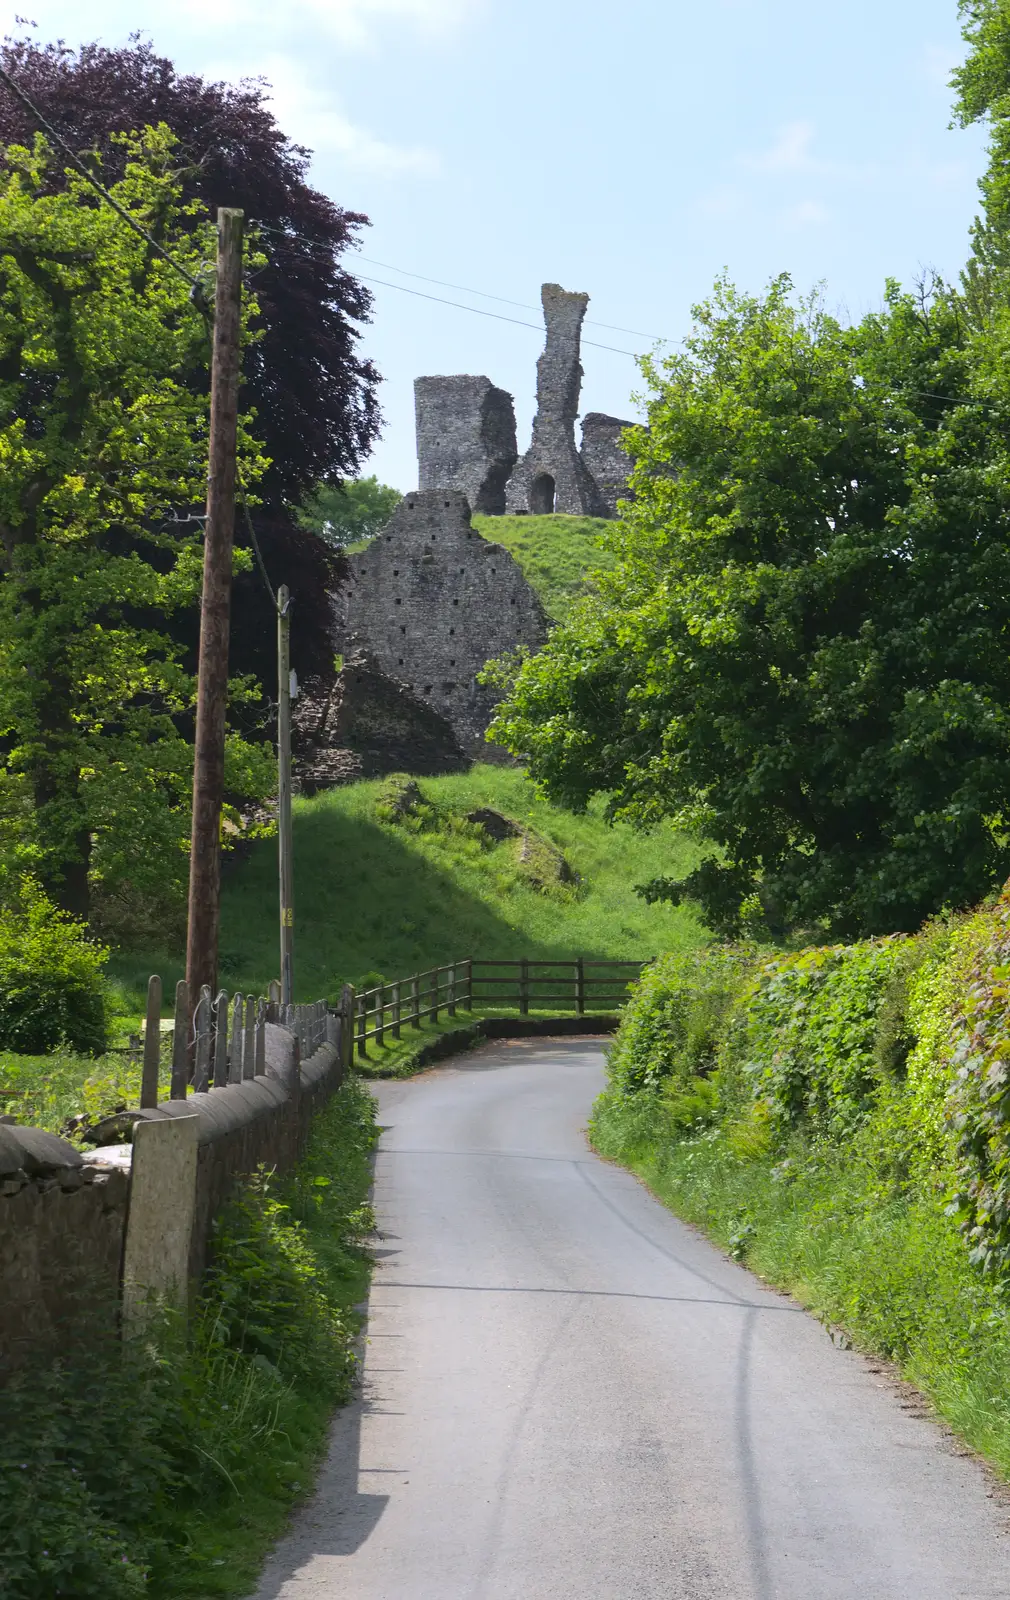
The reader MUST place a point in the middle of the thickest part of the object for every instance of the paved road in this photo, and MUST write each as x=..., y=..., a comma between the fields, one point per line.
x=570, y=1396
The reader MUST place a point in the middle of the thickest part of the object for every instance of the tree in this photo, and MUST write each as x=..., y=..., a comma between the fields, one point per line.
x=103, y=442
x=803, y=654
x=313, y=394
x=350, y=512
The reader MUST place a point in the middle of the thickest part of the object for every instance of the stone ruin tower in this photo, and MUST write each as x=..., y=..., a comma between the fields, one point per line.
x=466, y=439
x=466, y=433
x=552, y=477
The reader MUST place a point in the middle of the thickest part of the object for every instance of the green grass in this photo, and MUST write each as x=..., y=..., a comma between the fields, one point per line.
x=887, y=1265
x=555, y=553
x=371, y=898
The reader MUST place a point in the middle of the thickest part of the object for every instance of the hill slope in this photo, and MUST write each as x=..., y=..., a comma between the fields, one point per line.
x=370, y=897
x=555, y=553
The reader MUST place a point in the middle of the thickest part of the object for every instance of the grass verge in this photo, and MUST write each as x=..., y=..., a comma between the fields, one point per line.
x=889, y=1267
x=168, y=1466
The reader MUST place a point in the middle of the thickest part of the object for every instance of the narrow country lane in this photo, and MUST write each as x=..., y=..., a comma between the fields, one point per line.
x=569, y=1395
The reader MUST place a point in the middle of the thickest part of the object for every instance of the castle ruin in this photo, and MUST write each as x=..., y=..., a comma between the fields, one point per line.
x=430, y=601
x=466, y=434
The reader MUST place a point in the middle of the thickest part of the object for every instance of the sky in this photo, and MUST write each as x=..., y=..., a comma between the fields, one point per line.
x=631, y=150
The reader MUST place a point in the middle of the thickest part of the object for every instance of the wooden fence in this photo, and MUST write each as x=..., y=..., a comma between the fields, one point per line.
x=226, y=1042
x=578, y=985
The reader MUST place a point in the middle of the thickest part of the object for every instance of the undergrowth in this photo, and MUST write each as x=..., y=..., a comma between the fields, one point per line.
x=838, y=1119
x=165, y=1467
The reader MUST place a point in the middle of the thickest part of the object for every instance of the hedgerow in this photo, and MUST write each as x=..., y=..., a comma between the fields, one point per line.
x=840, y=1117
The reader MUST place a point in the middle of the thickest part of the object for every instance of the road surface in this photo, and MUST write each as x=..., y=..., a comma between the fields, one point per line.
x=568, y=1395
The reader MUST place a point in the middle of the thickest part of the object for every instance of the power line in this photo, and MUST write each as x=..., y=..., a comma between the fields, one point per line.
x=79, y=166
x=521, y=305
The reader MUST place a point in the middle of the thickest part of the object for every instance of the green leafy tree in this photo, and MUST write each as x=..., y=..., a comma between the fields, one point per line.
x=345, y=513
x=103, y=457
x=803, y=653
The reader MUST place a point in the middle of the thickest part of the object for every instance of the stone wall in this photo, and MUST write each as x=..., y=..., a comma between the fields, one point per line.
x=551, y=477
x=431, y=601
x=466, y=439
x=64, y=1217
x=366, y=726
x=605, y=460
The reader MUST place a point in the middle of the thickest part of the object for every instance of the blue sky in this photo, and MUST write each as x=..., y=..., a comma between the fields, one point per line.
x=629, y=149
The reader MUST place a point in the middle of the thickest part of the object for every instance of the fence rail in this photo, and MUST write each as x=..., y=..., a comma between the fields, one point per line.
x=577, y=985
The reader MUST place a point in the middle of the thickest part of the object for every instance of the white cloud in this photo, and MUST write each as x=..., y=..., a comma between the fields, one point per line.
x=315, y=118
x=808, y=213
x=789, y=153
x=352, y=22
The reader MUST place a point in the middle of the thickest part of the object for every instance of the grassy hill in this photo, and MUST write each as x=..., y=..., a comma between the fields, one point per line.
x=375, y=898
x=555, y=553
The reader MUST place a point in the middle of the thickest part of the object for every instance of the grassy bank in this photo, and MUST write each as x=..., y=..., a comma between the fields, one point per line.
x=374, y=899
x=555, y=553
x=837, y=1119
x=169, y=1467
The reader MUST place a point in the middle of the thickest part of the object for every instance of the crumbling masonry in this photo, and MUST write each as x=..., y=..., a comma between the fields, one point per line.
x=430, y=601
x=466, y=436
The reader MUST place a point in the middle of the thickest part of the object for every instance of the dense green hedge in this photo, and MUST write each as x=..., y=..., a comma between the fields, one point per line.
x=52, y=984
x=905, y=1041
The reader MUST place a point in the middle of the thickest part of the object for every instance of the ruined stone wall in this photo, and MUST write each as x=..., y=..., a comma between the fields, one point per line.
x=605, y=461
x=430, y=601
x=466, y=439
x=551, y=476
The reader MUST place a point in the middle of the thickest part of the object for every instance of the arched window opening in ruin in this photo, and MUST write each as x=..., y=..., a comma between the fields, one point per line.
x=542, y=491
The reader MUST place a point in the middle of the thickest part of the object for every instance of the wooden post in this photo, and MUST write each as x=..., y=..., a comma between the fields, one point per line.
x=434, y=993
x=524, y=987
x=152, y=1046
x=249, y=1042
x=468, y=1001
x=362, y=1024
x=380, y=1014
x=396, y=1010
x=415, y=1001
x=284, y=842
x=201, y=1052
x=180, y=1042
x=215, y=613
x=220, y=1040
x=580, y=986
x=451, y=1007
x=260, y=1066
x=347, y=1025
x=237, y=1037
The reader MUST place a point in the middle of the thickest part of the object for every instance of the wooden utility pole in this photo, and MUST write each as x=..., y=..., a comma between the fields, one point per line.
x=284, y=841
x=215, y=610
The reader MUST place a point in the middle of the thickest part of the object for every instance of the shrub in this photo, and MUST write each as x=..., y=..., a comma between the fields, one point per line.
x=673, y=1023
x=52, y=989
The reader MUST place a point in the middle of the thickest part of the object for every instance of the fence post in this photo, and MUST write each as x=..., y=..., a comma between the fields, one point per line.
x=580, y=986
x=468, y=999
x=434, y=993
x=152, y=1046
x=362, y=1024
x=524, y=987
x=220, y=1040
x=396, y=1010
x=451, y=1007
x=260, y=1059
x=380, y=1014
x=249, y=1042
x=180, y=1054
x=237, y=1037
x=201, y=1036
x=347, y=1004
x=415, y=1001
